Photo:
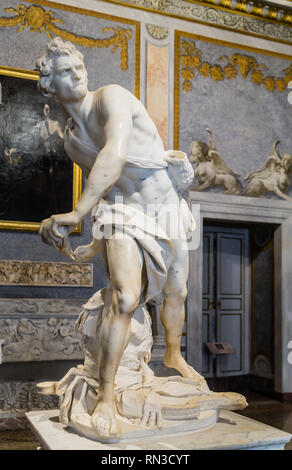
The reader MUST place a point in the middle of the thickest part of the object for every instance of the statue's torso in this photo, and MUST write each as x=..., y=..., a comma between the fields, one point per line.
x=136, y=186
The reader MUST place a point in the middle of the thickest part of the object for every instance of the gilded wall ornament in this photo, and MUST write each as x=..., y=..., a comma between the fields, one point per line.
x=273, y=177
x=210, y=169
x=37, y=19
x=243, y=65
x=36, y=273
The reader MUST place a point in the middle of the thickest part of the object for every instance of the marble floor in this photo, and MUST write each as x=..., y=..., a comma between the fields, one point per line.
x=261, y=408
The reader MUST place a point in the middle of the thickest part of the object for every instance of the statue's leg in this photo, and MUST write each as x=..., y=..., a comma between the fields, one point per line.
x=125, y=267
x=173, y=311
x=231, y=185
x=283, y=195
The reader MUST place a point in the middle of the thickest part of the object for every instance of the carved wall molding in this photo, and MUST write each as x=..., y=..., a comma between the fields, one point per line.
x=243, y=65
x=16, y=398
x=38, y=19
x=39, y=273
x=248, y=17
x=39, y=330
x=32, y=308
x=273, y=177
x=210, y=169
x=157, y=32
x=39, y=340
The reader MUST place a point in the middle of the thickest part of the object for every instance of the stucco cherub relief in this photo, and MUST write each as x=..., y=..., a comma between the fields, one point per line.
x=273, y=177
x=210, y=169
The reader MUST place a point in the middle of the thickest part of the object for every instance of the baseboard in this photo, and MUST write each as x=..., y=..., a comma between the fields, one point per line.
x=283, y=397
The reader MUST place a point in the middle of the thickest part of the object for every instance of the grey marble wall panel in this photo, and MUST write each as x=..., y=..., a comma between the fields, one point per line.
x=245, y=117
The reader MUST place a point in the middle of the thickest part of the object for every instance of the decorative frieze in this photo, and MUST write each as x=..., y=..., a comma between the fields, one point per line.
x=252, y=18
x=39, y=340
x=39, y=330
x=37, y=273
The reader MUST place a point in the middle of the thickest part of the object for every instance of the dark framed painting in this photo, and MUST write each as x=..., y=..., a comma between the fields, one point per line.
x=37, y=178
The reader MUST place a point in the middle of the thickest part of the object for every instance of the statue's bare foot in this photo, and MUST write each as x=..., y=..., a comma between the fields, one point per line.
x=104, y=420
x=176, y=361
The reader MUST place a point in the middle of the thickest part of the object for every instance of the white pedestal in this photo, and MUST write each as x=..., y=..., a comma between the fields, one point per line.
x=232, y=431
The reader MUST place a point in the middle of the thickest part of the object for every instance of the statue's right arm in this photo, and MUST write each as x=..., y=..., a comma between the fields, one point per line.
x=114, y=116
x=116, y=120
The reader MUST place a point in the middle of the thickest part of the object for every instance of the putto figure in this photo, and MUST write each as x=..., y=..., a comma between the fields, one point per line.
x=140, y=223
x=210, y=168
x=273, y=177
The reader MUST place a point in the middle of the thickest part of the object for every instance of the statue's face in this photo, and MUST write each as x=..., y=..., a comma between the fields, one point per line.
x=196, y=152
x=287, y=161
x=69, y=81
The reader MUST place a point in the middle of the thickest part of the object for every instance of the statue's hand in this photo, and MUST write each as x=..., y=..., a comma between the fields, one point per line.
x=174, y=157
x=55, y=230
x=152, y=415
x=86, y=252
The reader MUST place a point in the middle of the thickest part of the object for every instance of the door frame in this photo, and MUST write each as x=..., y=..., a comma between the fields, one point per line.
x=227, y=208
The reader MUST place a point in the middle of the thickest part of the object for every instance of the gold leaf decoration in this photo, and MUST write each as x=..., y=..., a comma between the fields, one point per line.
x=187, y=86
x=270, y=83
x=257, y=77
x=205, y=69
x=244, y=63
x=37, y=19
x=187, y=74
x=230, y=71
x=191, y=61
x=281, y=84
x=288, y=74
x=217, y=72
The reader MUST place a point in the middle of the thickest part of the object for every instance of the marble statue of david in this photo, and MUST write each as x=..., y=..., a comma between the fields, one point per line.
x=116, y=144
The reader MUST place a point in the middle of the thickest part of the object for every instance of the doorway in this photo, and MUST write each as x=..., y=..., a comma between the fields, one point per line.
x=226, y=299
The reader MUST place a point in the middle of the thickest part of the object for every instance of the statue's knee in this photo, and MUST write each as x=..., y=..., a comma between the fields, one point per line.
x=178, y=295
x=126, y=301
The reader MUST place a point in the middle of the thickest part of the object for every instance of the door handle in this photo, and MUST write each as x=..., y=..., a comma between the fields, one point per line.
x=210, y=305
x=219, y=304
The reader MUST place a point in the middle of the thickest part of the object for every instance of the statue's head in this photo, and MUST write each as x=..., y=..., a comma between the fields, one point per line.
x=287, y=162
x=198, y=151
x=62, y=72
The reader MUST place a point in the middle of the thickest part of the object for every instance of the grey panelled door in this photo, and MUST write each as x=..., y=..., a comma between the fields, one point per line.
x=226, y=299
x=208, y=301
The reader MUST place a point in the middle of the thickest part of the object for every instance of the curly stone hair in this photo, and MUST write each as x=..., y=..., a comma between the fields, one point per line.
x=45, y=64
x=204, y=148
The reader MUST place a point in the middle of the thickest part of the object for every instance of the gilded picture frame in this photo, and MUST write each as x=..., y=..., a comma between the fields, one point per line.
x=37, y=178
